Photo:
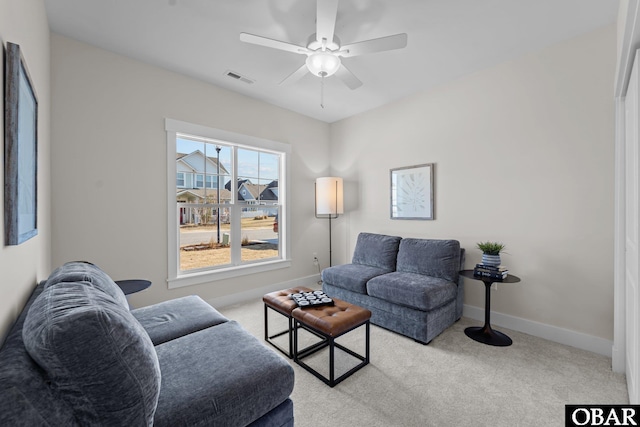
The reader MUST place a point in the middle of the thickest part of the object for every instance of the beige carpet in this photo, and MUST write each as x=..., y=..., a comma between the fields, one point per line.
x=453, y=381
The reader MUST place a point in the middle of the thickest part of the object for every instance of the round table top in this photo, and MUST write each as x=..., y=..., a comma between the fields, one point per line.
x=509, y=279
x=133, y=285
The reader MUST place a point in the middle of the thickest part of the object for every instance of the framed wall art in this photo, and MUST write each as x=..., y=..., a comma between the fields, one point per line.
x=412, y=192
x=20, y=150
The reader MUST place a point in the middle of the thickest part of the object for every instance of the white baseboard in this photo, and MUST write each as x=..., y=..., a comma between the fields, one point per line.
x=240, y=297
x=542, y=330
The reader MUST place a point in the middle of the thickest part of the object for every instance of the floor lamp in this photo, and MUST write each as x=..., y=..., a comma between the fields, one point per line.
x=329, y=201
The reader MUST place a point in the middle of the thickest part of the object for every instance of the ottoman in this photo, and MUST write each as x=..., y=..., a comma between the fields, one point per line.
x=329, y=323
x=280, y=302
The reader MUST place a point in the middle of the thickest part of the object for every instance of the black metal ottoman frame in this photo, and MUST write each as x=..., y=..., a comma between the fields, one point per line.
x=269, y=338
x=332, y=344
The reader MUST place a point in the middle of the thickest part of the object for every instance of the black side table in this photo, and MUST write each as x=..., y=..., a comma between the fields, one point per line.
x=133, y=285
x=485, y=334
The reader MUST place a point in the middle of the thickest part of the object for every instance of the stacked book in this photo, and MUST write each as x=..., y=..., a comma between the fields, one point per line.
x=499, y=272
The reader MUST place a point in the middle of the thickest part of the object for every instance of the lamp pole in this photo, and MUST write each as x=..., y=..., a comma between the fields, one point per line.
x=218, y=191
x=329, y=199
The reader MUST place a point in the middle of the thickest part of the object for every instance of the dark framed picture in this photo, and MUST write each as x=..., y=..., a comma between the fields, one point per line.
x=20, y=150
x=412, y=192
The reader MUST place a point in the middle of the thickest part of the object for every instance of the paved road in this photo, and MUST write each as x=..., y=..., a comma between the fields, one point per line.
x=195, y=237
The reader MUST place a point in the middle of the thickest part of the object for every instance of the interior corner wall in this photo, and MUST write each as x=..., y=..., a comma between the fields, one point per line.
x=25, y=23
x=524, y=155
x=110, y=167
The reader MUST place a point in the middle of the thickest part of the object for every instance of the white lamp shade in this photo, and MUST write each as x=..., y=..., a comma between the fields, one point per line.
x=323, y=63
x=329, y=196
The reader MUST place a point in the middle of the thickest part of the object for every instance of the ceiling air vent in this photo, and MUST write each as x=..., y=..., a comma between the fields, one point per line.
x=238, y=76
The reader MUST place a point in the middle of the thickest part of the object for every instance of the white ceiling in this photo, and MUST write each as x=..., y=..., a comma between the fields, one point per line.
x=446, y=39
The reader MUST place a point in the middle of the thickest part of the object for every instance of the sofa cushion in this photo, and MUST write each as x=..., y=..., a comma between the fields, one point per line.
x=171, y=319
x=436, y=258
x=412, y=290
x=90, y=274
x=353, y=277
x=227, y=378
x=376, y=250
x=95, y=354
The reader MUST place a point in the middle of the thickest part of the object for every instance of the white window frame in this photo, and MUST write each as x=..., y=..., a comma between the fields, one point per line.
x=176, y=278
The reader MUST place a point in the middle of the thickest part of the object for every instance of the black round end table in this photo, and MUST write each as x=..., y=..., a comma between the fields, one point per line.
x=485, y=334
x=132, y=286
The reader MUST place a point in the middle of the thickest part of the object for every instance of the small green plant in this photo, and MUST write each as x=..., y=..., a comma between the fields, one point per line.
x=491, y=248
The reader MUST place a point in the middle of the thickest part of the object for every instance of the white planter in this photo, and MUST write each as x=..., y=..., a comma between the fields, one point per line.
x=491, y=260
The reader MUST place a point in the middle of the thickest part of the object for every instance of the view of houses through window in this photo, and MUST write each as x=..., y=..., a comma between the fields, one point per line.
x=227, y=202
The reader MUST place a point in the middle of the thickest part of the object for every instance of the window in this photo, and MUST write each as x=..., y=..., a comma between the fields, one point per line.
x=224, y=226
x=188, y=180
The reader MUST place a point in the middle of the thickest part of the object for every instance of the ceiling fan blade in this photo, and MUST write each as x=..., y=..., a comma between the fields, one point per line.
x=296, y=75
x=327, y=11
x=275, y=44
x=348, y=77
x=397, y=41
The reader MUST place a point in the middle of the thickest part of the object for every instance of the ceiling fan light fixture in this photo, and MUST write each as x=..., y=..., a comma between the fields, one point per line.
x=323, y=63
x=324, y=51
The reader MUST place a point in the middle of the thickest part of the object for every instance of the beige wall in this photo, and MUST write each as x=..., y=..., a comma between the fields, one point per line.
x=109, y=165
x=524, y=155
x=24, y=22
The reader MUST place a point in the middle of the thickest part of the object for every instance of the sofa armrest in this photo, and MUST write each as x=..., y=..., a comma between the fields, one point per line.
x=25, y=395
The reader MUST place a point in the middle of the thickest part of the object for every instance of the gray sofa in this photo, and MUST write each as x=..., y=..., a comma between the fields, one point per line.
x=411, y=286
x=77, y=356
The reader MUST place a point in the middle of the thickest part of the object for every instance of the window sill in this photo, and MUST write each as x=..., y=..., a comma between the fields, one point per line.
x=202, y=277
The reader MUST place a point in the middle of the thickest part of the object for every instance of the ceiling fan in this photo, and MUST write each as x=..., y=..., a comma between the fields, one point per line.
x=324, y=50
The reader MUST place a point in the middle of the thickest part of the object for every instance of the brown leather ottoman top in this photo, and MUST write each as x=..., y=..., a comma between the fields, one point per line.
x=280, y=300
x=333, y=320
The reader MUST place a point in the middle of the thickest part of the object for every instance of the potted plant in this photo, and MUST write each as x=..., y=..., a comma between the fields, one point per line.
x=491, y=252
